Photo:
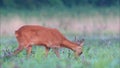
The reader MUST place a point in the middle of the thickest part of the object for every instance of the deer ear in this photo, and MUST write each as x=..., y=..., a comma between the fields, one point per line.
x=75, y=38
x=81, y=42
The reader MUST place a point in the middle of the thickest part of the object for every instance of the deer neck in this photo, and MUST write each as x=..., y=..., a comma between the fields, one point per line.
x=69, y=44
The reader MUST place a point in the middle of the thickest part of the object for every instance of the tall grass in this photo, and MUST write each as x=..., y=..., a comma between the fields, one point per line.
x=97, y=53
x=99, y=27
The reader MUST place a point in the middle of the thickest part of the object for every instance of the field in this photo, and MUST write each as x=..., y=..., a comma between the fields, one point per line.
x=97, y=53
x=99, y=28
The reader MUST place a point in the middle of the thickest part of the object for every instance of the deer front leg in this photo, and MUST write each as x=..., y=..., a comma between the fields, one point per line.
x=47, y=49
x=28, y=50
x=18, y=50
x=56, y=52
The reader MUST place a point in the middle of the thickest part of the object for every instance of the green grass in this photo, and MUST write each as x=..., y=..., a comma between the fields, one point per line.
x=97, y=53
x=63, y=12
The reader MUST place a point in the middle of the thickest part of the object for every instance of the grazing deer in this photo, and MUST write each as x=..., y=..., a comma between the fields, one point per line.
x=32, y=35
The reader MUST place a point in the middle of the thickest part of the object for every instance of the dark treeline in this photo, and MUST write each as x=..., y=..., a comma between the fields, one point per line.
x=53, y=3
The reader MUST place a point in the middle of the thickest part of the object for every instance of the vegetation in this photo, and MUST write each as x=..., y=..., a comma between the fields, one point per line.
x=95, y=20
x=97, y=53
x=35, y=4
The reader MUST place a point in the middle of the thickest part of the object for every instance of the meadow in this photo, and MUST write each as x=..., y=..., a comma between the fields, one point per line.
x=97, y=53
x=98, y=26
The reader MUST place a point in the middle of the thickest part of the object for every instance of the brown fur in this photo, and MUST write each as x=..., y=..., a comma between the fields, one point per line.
x=31, y=35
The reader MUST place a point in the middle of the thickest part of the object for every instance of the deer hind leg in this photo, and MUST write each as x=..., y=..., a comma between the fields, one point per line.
x=28, y=50
x=56, y=52
x=18, y=50
x=47, y=49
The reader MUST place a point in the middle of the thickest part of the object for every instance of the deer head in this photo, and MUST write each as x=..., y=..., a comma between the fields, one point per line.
x=78, y=50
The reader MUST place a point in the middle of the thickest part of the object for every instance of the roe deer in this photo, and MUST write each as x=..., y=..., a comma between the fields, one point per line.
x=31, y=35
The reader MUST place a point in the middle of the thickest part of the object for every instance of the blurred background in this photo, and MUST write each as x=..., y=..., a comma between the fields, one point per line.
x=97, y=21
x=83, y=17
